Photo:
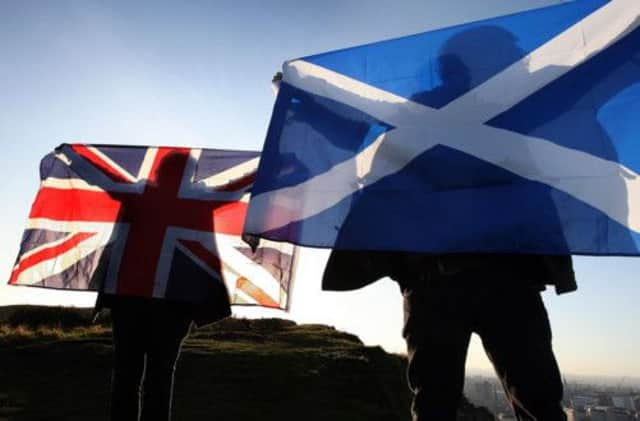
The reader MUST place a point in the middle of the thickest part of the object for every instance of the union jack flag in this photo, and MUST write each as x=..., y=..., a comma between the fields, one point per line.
x=157, y=222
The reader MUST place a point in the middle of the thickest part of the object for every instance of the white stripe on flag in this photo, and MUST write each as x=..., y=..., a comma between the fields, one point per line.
x=59, y=263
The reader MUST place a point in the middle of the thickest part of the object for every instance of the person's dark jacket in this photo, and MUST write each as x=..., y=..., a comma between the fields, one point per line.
x=349, y=270
x=214, y=309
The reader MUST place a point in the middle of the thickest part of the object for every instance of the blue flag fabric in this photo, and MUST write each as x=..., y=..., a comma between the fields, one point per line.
x=516, y=134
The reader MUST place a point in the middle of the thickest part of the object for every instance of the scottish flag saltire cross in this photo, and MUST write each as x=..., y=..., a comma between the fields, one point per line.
x=514, y=134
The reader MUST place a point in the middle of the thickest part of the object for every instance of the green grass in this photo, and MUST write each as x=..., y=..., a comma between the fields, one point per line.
x=54, y=367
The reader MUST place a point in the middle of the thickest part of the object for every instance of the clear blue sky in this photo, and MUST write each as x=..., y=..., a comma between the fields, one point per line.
x=198, y=73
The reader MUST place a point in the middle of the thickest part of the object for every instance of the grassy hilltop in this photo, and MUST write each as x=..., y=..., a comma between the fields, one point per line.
x=55, y=365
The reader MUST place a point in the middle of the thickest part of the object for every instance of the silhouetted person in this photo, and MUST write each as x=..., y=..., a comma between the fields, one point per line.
x=148, y=333
x=147, y=336
x=447, y=297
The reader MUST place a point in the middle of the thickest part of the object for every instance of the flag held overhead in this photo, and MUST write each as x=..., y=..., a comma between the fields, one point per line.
x=154, y=222
x=516, y=134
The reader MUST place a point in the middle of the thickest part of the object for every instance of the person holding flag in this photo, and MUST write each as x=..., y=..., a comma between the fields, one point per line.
x=148, y=333
x=156, y=231
x=467, y=163
x=447, y=297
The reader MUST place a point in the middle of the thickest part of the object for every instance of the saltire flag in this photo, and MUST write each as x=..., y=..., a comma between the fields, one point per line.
x=516, y=134
x=157, y=222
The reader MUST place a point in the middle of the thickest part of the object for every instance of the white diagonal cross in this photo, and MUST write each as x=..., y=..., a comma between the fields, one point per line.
x=606, y=185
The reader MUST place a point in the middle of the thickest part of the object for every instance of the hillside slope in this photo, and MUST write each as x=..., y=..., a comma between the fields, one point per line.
x=237, y=370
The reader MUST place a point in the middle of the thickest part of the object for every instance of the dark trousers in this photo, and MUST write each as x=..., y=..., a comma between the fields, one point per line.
x=511, y=320
x=147, y=338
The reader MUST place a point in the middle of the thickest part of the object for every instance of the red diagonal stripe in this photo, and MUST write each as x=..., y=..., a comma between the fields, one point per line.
x=203, y=254
x=74, y=205
x=256, y=293
x=49, y=253
x=97, y=161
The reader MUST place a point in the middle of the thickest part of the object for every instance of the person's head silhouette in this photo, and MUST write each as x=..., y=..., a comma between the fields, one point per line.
x=468, y=59
x=168, y=174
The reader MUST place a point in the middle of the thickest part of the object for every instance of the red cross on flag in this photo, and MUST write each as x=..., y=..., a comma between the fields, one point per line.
x=156, y=222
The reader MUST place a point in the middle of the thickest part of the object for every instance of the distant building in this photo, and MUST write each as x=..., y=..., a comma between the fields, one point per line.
x=483, y=393
x=597, y=413
x=583, y=401
x=502, y=402
x=487, y=393
x=576, y=414
x=609, y=413
x=619, y=414
x=624, y=401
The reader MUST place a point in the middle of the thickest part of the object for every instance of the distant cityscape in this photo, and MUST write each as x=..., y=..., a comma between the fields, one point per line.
x=582, y=401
